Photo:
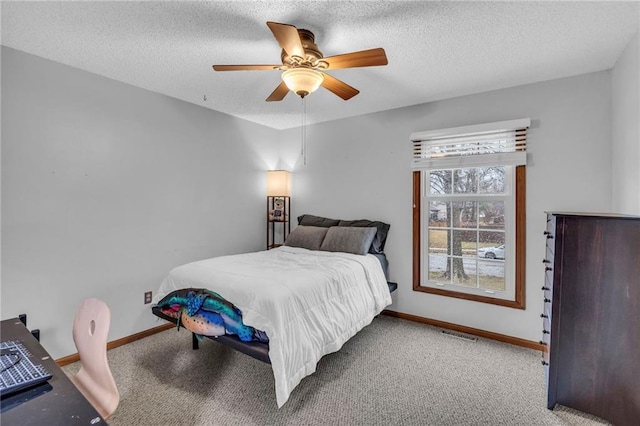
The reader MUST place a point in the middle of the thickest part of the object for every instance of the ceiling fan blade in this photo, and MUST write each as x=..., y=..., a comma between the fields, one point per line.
x=245, y=67
x=278, y=94
x=338, y=87
x=288, y=38
x=363, y=58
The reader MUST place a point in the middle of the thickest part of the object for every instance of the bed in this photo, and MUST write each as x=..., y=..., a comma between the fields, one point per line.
x=308, y=297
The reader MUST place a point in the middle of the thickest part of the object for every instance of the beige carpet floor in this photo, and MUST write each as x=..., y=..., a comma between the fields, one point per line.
x=394, y=372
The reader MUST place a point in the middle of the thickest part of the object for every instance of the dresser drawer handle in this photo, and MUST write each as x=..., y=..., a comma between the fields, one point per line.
x=543, y=343
x=548, y=268
x=544, y=316
x=548, y=234
x=546, y=288
x=544, y=362
x=546, y=261
x=545, y=332
x=547, y=300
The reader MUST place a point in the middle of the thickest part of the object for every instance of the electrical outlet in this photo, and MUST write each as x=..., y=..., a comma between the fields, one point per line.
x=147, y=297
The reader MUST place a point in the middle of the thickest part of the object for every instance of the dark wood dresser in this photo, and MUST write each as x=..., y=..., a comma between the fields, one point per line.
x=591, y=318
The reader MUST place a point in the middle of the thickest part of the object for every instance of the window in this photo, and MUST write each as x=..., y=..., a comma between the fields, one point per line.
x=468, y=236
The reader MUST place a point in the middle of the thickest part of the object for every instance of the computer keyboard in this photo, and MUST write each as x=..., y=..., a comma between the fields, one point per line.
x=17, y=368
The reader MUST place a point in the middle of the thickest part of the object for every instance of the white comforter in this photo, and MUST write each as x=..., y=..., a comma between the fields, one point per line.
x=308, y=302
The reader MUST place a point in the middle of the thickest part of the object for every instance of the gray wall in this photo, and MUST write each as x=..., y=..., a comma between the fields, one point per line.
x=626, y=130
x=360, y=168
x=106, y=187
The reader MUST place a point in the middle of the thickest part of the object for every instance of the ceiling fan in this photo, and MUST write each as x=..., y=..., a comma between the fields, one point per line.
x=304, y=65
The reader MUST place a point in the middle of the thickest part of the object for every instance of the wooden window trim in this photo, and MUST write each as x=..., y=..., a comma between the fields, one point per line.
x=519, y=302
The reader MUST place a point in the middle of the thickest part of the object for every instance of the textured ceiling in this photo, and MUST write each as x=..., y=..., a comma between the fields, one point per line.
x=436, y=50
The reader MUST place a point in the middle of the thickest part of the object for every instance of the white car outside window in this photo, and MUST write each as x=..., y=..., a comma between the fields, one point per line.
x=492, y=252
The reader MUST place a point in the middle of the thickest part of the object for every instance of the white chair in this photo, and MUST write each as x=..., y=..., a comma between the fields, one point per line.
x=94, y=380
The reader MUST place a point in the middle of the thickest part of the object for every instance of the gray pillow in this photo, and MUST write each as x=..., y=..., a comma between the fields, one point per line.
x=311, y=220
x=377, y=246
x=309, y=237
x=348, y=239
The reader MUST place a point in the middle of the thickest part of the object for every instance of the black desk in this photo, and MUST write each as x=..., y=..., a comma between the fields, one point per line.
x=57, y=402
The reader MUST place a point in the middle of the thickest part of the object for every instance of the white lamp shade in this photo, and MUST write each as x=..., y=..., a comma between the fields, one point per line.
x=278, y=183
x=302, y=81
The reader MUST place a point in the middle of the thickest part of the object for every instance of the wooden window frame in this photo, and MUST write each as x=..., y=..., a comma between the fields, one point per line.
x=520, y=246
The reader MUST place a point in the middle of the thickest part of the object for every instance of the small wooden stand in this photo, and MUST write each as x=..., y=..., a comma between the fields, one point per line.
x=278, y=209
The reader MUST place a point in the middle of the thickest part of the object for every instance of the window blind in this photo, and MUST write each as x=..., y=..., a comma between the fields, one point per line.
x=484, y=145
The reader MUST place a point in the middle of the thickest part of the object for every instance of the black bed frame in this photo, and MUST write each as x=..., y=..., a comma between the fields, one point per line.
x=257, y=350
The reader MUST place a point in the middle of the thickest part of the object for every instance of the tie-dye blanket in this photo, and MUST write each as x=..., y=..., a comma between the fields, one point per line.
x=206, y=313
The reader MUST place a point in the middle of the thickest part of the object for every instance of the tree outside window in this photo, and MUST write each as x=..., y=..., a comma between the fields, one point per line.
x=466, y=229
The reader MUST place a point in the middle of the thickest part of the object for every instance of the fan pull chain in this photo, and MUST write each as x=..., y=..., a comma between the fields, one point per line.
x=303, y=151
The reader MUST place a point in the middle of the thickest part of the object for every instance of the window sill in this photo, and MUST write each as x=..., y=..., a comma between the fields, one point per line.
x=516, y=304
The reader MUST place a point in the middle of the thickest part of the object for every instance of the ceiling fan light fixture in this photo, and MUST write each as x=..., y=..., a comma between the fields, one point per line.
x=302, y=81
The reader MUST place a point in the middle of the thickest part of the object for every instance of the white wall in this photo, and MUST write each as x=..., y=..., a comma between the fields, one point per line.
x=106, y=187
x=360, y=168
x=625, y=79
